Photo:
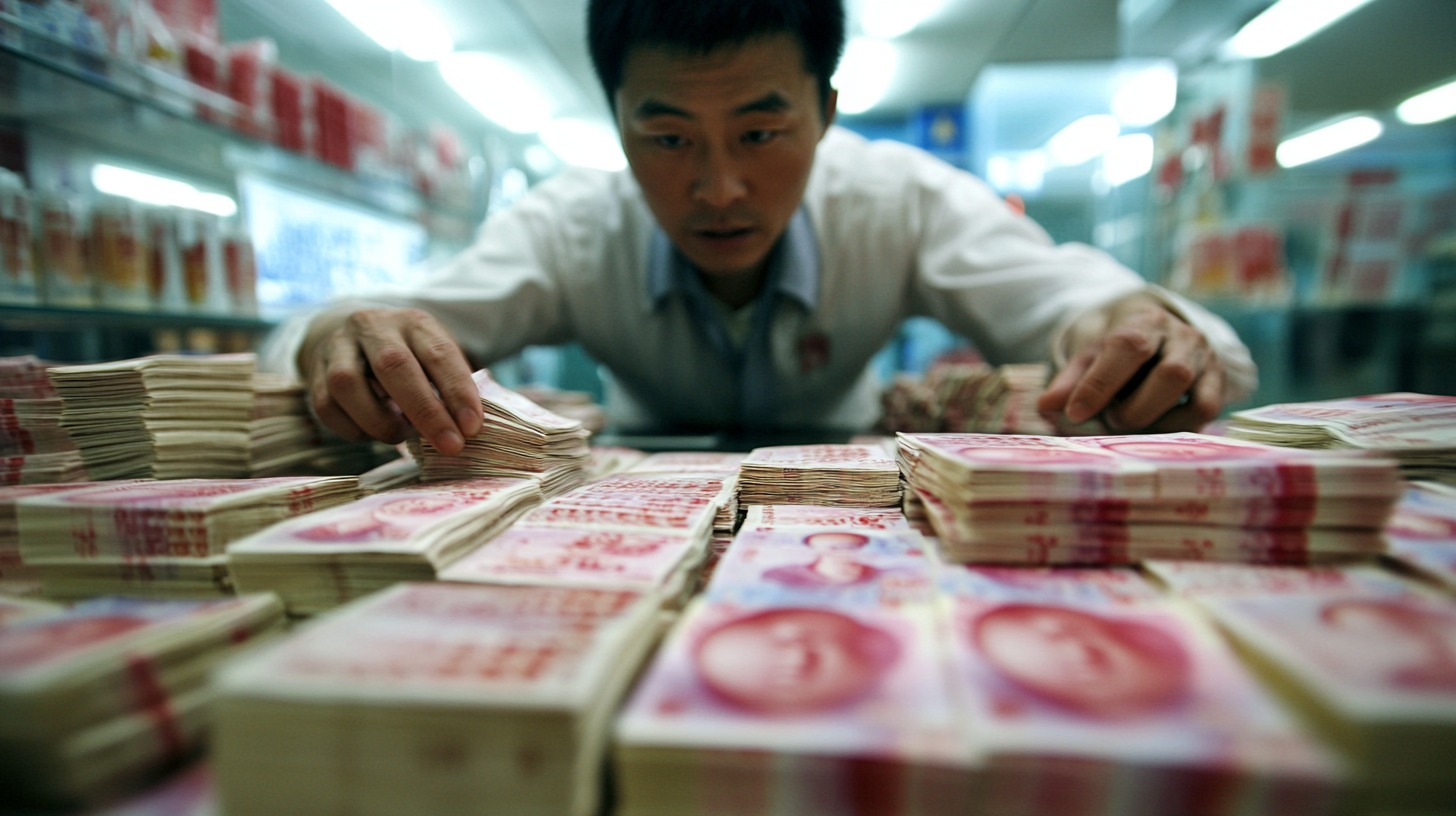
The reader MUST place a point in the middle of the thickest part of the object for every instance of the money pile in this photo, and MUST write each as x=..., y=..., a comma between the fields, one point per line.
x=609, y=459
x=158, y=538
x=14, y=608
x=830, y=475
x=433, y=699
x=163, y=416
x=100, y=697
x=16, y=577
x=967, y=398
x=1422, y=533
x=34, y=447
x=1369, y=661
x=1092, y=694
x=721, y=465
x=326, y=558
x=519, y=439
x=577, y=405
x=645, y=532
x=1118, y=500
x=282, y=436
x=399, y=472
x=1418, y=429
x=795, y=708
x=768, y=517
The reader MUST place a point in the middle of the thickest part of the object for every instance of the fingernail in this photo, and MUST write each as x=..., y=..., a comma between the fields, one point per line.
x=1079, y=412
x=450, y=442
x=465, y=417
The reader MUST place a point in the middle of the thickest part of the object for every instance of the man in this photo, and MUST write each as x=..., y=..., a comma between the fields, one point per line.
x=752, y=261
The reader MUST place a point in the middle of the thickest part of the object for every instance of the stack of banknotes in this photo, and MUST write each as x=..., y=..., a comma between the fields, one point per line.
x=1091, y=692
x=810, y=677
x=18, y=579
x=100, y=697
x=282, y=437
x=967, y=398
x=163, y=416
x=831, y=475
x=433, y=698
x=609, y=459
x=518, y=439
x=722, y=465
x=1118, y=500
x=158, y=538
x=1369, y=660
x=1418, y=429
x=1422, y=533
x=321, y=560
x=34, y=447
x=646, y=532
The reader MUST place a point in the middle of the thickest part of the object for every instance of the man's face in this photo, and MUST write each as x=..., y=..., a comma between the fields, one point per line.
x=721, y=145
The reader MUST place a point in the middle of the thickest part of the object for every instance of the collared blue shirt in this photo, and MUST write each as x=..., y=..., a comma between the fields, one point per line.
x=793, y=276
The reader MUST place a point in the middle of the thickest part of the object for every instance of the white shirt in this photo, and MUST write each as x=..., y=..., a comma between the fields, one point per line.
x=897, y=233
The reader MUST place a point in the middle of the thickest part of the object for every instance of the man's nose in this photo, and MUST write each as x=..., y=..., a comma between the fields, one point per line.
x=718, y=181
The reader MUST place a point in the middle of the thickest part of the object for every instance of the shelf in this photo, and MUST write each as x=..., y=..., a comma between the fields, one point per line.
x=147, y=114
x=56, y=318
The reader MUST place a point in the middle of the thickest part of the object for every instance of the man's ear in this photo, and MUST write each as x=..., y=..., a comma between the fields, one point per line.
x=831, y=108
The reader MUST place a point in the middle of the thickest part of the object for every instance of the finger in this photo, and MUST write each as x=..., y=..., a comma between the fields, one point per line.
x=1053, y=400
x=1168, y=380
x=384, y=343
x=445, y=364
x=1118, y=359
x=1205, y=403
x=344, y=400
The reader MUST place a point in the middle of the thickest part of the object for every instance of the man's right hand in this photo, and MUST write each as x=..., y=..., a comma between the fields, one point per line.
x=374, y=373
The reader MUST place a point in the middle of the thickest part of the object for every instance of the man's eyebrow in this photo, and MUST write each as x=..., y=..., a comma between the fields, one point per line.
x=771, y=102
x=651, y=107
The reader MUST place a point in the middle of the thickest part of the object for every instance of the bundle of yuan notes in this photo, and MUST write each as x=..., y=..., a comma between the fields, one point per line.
x=1370, y=662
x=802, y=701
x=1422, y=533
x=609, y=459
x=100, y=697
x=812, y=519
x=1417, y=429
x=158, y=538
x=967, y=398
x=17, y=577
x=399, y=472
x=433, y=699
x=34, y=447
x=282, y=436
x=1121, y=499
x=723, y=465
x=324, y=559
x=164, y=416
x=831, y=475
x=835, y=566
x=518, y=439
x=645, y=532
x=1092, y=694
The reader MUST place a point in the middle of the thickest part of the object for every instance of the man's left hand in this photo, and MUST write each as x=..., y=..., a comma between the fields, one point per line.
x=1140, y=368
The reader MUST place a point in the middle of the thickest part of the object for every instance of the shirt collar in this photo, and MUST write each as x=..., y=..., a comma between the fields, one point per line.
x=794, y=271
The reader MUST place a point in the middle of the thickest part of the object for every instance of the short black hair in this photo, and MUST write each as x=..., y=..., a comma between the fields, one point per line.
x=615, y=27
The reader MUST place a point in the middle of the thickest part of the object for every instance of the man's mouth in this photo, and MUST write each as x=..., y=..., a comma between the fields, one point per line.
x=720, y=234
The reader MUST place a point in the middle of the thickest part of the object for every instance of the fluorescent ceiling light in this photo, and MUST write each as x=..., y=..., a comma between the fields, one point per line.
x=158, y=190
x=1327, y=140
x=499, y=89
x=1435, y=105
x=1285, y=24
x=1083, y=140
x=1145, y=96
x=584, y=143
x=888, y=19
x=410, y=28
x=864, y=74
x=1130, y=157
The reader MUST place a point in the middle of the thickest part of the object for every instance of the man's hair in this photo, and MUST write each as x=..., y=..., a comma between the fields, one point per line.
x=616, y=27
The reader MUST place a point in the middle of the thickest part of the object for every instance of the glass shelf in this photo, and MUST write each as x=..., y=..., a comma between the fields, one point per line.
x=57, y=318
x=147, y=114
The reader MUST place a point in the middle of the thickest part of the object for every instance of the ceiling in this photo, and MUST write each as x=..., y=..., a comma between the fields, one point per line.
x=1370, y=60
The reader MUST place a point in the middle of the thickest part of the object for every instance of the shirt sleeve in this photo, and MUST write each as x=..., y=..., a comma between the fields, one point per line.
x=989, y=272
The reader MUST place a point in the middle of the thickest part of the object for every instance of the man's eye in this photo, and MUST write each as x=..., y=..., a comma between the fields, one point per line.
x=758, y=136
x=668, y=140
